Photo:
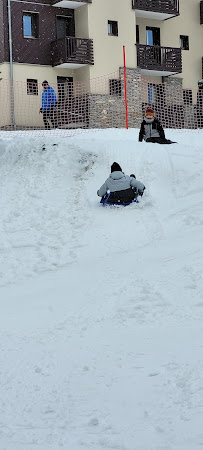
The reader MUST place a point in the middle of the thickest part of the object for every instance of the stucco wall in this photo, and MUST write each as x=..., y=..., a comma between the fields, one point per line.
x=108, y=50
x=188, y=23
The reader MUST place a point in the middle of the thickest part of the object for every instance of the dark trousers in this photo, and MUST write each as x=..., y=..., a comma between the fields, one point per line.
x=49, y=115
x=159, y=140
x=119, y=197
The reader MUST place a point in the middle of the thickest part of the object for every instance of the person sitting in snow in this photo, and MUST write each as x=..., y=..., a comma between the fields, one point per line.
x=151, y=129
x=122, y=187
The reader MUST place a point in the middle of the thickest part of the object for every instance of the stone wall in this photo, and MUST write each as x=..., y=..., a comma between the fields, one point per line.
x=173, y=90
x=108, y=111
x=190, y=119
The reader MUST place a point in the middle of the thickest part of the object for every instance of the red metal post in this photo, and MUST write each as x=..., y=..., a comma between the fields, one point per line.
x=125, y=86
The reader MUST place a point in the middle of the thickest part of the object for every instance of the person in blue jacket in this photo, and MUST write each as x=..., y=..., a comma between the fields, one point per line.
x=49, y=102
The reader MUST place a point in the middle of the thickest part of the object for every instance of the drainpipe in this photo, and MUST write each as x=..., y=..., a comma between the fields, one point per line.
x=11, y=64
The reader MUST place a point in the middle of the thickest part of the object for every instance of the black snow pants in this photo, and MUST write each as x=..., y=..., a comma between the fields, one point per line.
x=159, y=140
x=120, y=197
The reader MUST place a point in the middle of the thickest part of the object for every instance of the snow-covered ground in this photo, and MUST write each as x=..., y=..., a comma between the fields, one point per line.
x=101, y=307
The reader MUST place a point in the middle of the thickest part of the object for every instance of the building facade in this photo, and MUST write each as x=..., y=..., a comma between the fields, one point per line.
x=73, y=43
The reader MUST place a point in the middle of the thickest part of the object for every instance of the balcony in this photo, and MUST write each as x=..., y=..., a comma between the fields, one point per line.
x=159, y=61
x=201, y=12
x=71, y=4
x=156, y=9
x=72, y=52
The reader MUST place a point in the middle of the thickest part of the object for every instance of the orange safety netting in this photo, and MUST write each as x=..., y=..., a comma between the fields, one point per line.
x=98, y=103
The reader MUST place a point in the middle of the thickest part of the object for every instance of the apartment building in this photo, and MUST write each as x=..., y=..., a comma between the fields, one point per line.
x=75, y=41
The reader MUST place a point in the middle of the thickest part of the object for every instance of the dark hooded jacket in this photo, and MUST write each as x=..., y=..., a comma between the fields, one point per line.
x=151, y=128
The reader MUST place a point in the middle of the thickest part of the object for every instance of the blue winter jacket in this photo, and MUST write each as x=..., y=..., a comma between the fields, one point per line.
x=48, y=98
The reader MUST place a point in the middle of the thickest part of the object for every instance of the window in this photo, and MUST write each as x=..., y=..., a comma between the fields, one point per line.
x=65, y=88
x=149, y=35
x=137, y=34
x=64, y=27
x=32, y=87
x=153, y=36
x=115, y=87
x=112, y=28
x=184, y=42
x=187, y=96
x=150, y=94
x=31, y=25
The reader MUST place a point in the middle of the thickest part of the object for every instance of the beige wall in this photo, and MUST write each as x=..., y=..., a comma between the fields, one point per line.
x=143, y=23
x=5, y=95
x=91, y=21
x=108, y=50
x=82, y=22
x=26, y=106
x=188, y=23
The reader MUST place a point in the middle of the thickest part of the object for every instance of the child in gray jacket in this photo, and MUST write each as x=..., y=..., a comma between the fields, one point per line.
x=122, y=187
x=151, y=129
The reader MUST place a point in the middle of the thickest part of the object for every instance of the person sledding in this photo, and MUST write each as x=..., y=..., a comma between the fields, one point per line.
x=151, y=129
x=119, y=188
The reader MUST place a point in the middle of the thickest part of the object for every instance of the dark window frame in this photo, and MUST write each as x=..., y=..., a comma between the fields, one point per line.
x=156, y=34
x=151, y=93
x=64, y=86
x=184, y=42
x=137, y=34
x=34, y=26
x=71, y=22
x=115, y=87
x=114, y=25
x=32, y=86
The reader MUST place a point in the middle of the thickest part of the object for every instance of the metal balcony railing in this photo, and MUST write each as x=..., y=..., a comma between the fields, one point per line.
x=72, y=50
x=159, y=6
x=162, y=59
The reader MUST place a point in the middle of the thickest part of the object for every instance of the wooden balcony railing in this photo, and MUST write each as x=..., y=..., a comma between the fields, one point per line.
x=201, y=12
x=164, y=59
x=160, y=6
x=72, y=50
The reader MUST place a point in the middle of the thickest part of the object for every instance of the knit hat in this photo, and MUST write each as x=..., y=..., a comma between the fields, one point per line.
x=115, y=167
x=149, y=111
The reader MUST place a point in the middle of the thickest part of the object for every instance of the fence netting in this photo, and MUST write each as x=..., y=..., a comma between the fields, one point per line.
x=98, y=103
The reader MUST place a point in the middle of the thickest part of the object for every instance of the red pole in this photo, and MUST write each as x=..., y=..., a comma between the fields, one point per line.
x=125, y=86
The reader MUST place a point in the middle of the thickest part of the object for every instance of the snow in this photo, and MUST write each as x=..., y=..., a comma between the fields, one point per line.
x=101, y=307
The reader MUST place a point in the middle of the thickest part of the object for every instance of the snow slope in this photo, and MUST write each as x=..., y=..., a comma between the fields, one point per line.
x=101, y=308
